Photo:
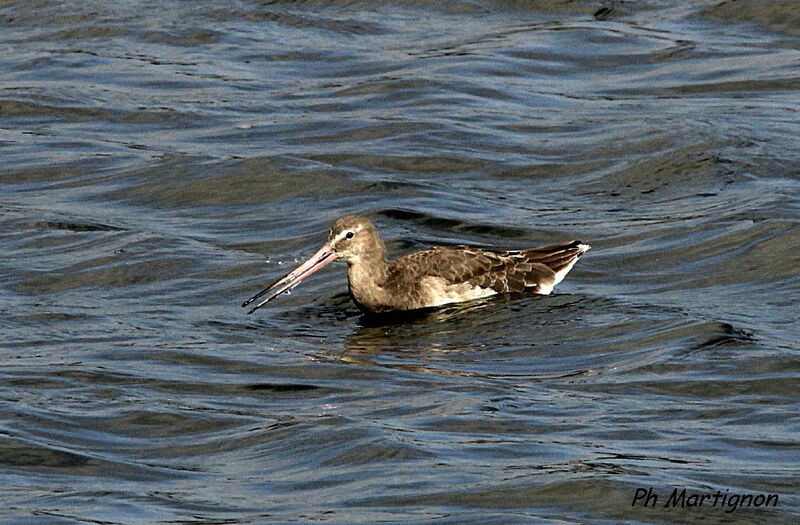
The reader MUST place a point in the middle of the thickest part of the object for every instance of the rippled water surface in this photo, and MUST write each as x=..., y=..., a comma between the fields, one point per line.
x=154, y=154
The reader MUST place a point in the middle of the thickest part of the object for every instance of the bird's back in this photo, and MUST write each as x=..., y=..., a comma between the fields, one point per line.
x=450, y=274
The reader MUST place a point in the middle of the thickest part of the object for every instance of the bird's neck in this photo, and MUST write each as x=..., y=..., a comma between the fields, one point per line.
x=367, y=277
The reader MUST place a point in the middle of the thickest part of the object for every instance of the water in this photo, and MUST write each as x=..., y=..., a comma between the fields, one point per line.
x=156, y=153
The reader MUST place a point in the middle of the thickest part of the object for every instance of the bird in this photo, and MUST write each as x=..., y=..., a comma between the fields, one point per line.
x=429, y=278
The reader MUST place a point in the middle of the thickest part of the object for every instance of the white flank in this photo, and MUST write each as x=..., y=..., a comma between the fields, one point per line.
x=441, y=292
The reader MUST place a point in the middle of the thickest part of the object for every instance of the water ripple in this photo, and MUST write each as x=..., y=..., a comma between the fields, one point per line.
x=163, y=161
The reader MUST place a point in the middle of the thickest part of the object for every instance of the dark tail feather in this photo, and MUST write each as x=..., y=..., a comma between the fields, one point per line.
x=557, y=257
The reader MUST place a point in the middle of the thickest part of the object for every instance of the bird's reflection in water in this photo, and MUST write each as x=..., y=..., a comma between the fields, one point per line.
x=432, y=340
x=421, y=332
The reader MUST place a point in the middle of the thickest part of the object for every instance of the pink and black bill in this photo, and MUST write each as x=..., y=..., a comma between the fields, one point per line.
x=324, y=256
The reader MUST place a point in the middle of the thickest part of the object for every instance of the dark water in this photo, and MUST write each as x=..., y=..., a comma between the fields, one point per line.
x=155, y=153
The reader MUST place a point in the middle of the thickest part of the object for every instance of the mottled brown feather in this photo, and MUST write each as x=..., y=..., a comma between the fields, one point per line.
x=431, y=277
x=502, y=271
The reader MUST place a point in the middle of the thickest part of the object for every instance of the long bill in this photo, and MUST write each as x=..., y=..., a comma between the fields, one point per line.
x=323, y=257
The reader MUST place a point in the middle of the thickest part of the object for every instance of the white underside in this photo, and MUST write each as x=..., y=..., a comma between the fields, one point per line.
x=546, y=289
x=440, y=292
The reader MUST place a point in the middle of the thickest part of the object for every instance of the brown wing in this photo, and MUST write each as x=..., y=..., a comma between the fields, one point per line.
x=502, y=271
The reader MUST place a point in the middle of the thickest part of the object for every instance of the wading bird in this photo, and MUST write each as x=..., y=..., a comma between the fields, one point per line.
x=434, y=277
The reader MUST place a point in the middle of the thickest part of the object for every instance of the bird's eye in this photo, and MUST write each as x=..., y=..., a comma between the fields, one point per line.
x=349, y=235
